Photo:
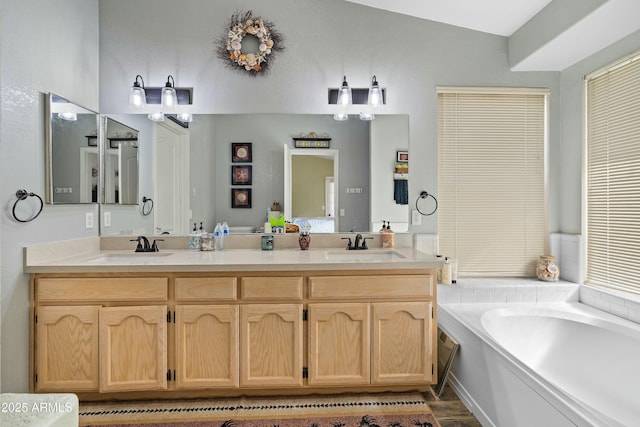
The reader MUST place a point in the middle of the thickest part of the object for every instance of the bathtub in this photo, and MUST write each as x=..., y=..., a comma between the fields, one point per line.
x=552, y=364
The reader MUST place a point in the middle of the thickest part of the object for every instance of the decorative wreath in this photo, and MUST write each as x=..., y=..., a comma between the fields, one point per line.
x=240, y=26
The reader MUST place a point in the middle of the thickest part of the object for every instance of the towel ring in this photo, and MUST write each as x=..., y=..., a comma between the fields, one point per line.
x=146, y=207
x=22, y=195
x=424, y=195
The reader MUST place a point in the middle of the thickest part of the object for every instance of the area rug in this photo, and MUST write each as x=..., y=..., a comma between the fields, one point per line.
x=370, y=410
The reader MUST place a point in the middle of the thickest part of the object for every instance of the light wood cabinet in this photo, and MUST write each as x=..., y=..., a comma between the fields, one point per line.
x=271, y=342
x=402, y=351
x=206, y=346
x=128, y=335
x=133, y=348
x=67, y=348
x=339, y=351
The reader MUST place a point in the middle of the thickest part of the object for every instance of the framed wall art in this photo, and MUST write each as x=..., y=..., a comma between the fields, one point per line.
x=241, y=152
x=241, y=175
x=241, y=198
x=402, y=156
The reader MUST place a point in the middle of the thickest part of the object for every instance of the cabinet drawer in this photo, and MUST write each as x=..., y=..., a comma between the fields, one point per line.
x=102, y=289
x=206, y=288
x=268, y=288
x=391, y=286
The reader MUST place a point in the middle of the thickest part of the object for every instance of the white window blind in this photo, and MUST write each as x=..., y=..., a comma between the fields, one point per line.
x=491, y=179
x=613, y=178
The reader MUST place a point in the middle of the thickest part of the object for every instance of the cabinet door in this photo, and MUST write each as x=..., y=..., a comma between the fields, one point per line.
x=67, y=349
x=133, y=348
x=339, y=346
x=271, y=345
x=207, y=346
x=402, y=350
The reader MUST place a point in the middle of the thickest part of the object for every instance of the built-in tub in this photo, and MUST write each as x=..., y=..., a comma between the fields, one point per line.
x=551, y=364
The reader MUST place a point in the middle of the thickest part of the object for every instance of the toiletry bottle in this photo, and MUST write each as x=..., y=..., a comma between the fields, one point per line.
x=218, y=237
x=201, y=229
x=194, y=239
x=446, y=272
x=384, y=227
x=439, y=271
x=225, y=230
x=387, y=237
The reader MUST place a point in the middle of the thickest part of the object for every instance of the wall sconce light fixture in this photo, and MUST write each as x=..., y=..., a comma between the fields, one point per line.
x=70, y=116
x=168, y=96
x=373, y=96
x=156, y=117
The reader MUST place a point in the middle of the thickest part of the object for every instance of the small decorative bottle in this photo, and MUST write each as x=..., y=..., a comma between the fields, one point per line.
x=304, y=240
x=547, y=270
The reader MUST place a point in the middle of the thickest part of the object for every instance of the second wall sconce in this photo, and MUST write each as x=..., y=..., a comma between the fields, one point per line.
x=168, y=96
x=373, y=96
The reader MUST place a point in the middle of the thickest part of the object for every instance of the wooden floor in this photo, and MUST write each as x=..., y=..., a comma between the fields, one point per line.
x=450, y=411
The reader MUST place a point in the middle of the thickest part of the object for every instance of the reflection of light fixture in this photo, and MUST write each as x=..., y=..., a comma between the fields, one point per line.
x=72, y=117
x=168, y=96
x=375, y=94
x=367, y=116
x=137, y=96
x=341, y=117
x=156, y=117
x=344, y=93
x=185, y=117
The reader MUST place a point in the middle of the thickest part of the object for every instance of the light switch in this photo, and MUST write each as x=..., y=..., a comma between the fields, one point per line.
x=341, y=212
x=107, y=219
x=416, y=218
x=88, y=220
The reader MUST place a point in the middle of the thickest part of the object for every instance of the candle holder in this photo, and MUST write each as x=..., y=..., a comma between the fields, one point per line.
x=304, y=240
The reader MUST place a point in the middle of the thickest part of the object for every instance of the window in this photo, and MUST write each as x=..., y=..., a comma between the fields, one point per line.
x=613, y=177
x=491, y=179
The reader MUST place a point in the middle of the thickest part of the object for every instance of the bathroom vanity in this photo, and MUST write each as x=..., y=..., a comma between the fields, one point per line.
x=113, y=324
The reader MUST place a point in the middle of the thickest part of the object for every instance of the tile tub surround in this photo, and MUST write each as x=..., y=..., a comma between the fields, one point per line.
x=507, y=290
x=621, y=304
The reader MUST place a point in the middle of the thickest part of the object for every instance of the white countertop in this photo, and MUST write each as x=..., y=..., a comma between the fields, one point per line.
x=96, y=260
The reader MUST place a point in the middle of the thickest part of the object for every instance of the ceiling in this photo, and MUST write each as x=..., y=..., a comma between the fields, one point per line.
x=557, y=34
x=501, y=17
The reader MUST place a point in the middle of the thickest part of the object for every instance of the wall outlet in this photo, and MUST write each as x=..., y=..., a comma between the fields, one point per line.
x=341, y=212
x=88, y=220
x=107, y=219
x=416, y=217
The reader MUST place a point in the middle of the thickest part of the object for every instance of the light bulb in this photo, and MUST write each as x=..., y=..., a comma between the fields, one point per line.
x=168, y=96
x=156, y=117
x=137, y=95
x=344, y=93
x=341, y=117
x=72, y=117
x=375, y=94
x=367, y=116
x=185, y=117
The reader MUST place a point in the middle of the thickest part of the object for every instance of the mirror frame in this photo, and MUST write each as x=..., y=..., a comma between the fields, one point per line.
x=49, y=190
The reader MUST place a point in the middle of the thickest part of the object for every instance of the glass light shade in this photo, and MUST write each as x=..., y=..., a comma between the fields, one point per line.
x=168, y=97
x=344, y=94
x=341, y=117
x=367, y=116
x=72, y=117
x=185, y=117
x=375, y=94
x=137, y=97
x=156, y=117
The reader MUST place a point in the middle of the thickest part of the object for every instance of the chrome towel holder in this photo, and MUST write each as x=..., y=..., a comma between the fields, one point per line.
x=23, y=195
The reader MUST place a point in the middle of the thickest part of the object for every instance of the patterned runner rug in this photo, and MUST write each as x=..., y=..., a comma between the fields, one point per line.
x=371, y=410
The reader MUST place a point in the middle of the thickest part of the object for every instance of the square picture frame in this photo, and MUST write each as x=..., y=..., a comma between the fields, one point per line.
x=402, y=156
x=241, y=152
x=241, y=198
x=241, y=175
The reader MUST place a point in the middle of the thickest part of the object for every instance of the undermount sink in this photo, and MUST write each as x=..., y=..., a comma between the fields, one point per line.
x=129, y=257
x=362, y=255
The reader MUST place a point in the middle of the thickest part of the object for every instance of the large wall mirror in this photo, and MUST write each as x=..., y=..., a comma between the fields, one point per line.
x=72, y=157
x=192, y=175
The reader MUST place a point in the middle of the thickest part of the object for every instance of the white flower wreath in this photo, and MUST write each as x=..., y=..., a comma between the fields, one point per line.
x=239, y=27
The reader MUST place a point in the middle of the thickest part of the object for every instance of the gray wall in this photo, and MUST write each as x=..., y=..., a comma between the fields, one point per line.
x=45, y=47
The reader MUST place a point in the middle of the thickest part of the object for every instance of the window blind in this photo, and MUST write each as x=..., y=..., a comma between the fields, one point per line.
x=613, y=177
x=491, y=172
